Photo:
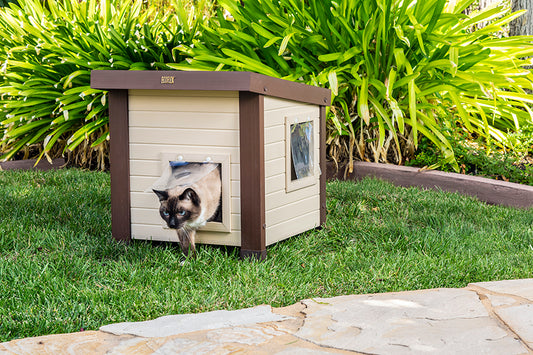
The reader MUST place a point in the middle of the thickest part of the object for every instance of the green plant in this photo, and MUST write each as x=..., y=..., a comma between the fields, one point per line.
x=474, y=158
x=396, y=69
x=47, y=51
x=4, y=3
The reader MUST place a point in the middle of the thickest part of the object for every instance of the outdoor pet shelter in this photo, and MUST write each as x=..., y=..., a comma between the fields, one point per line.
x=267, y=134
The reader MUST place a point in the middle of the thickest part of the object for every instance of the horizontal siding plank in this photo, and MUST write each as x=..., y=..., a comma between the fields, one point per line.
x=183, y=104
x=194, y=120
x=209, y=138
x=275, y=134
x=153, y=151
x=275, y=183
x=148, y=232
x=274, y=103
x=281, y=198
x=277, y=116
x=275, y=150
x=291, y=210
x=274, y=167
x=293, y=227
x=183, y=93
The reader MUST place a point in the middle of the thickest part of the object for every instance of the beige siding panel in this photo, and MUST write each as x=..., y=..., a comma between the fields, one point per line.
x=275, y=167
x=274, y=103
x=275, y=134
x=288, y=211
x=293, y=227
x=281, y=198
x=153, y=151
x=154, y=168
x=141, y=183
x=183, y=104
x=149, y=232
x=198, y=137
x=183, y=93
x=275, y=183
x=184, y=120
x=274, y=150
x=217, y=238
x=149, y=200
x=180, y=122
x=151, y=216
x=236, y=188
x=277, y=117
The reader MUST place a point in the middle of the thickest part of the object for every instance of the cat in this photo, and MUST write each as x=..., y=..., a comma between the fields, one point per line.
x=189, y=207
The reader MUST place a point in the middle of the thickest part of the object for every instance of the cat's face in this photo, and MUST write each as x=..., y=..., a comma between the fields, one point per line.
x=178, y=208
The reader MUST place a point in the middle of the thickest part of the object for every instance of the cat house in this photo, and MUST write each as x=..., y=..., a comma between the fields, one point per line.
x=265, y=135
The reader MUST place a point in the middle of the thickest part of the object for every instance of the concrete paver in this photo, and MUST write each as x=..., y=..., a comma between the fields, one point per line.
x=482, y=318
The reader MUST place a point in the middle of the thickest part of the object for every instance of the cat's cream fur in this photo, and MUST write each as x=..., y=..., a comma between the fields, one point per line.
x=187, y=208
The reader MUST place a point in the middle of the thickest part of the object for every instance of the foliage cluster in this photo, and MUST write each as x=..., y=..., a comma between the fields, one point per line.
x=474, y=158
x=62, y=273
x=398, y=70
x=47, y=51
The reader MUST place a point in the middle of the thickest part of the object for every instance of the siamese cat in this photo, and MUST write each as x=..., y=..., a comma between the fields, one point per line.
x=188, y=207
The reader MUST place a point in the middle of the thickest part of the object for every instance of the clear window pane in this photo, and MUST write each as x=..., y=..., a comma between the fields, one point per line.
x=301, y=150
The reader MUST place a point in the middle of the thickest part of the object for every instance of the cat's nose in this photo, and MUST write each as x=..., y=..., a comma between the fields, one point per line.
x=172, y=223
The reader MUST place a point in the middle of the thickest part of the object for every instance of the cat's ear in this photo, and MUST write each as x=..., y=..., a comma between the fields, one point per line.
x=163, y=195
x=191, y=195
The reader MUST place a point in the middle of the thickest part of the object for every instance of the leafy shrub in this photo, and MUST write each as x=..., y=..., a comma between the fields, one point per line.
x=397, y=69
x=6, y=2
x=47, y=52
x=474, y=159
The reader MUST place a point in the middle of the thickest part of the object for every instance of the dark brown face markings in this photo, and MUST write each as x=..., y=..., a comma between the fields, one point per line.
x=177, y=210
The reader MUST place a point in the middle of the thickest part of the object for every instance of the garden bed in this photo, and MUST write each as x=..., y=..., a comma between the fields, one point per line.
x=489, y=190
x=30, y=164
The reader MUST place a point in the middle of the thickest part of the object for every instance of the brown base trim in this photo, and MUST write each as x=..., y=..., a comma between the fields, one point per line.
x=491, y=191
x=29, y=164
x=253, y=254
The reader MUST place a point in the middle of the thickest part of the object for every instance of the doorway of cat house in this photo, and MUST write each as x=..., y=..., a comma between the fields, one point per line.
x=300, y=152
x=192, y=194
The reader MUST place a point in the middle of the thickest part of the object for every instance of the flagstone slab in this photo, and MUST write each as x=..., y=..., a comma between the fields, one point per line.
x=522, y=288
x=441, y=321
x=520, y=320
x=186, y=323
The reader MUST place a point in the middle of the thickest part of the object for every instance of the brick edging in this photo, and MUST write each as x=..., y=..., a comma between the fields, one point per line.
x=29, y=164
x=491, y=191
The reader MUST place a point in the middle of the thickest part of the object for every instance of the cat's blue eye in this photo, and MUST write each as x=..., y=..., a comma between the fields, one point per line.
x=181, y=213
x=166, y=214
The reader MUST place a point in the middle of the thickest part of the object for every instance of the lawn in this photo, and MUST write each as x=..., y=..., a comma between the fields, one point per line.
x=60, y=271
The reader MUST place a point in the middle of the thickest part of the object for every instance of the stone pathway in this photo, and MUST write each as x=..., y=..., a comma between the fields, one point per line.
x=483, y=318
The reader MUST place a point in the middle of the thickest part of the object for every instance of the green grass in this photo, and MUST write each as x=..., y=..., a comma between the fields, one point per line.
x=61, y=272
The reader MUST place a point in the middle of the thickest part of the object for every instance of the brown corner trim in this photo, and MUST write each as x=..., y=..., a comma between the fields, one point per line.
x=252, y=171
x=29, y=164
x=488, y=190
x=209, y=80
x=119, y=165
x=323, y=167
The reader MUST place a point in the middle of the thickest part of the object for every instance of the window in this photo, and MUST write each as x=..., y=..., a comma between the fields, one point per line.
x=300, y=152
